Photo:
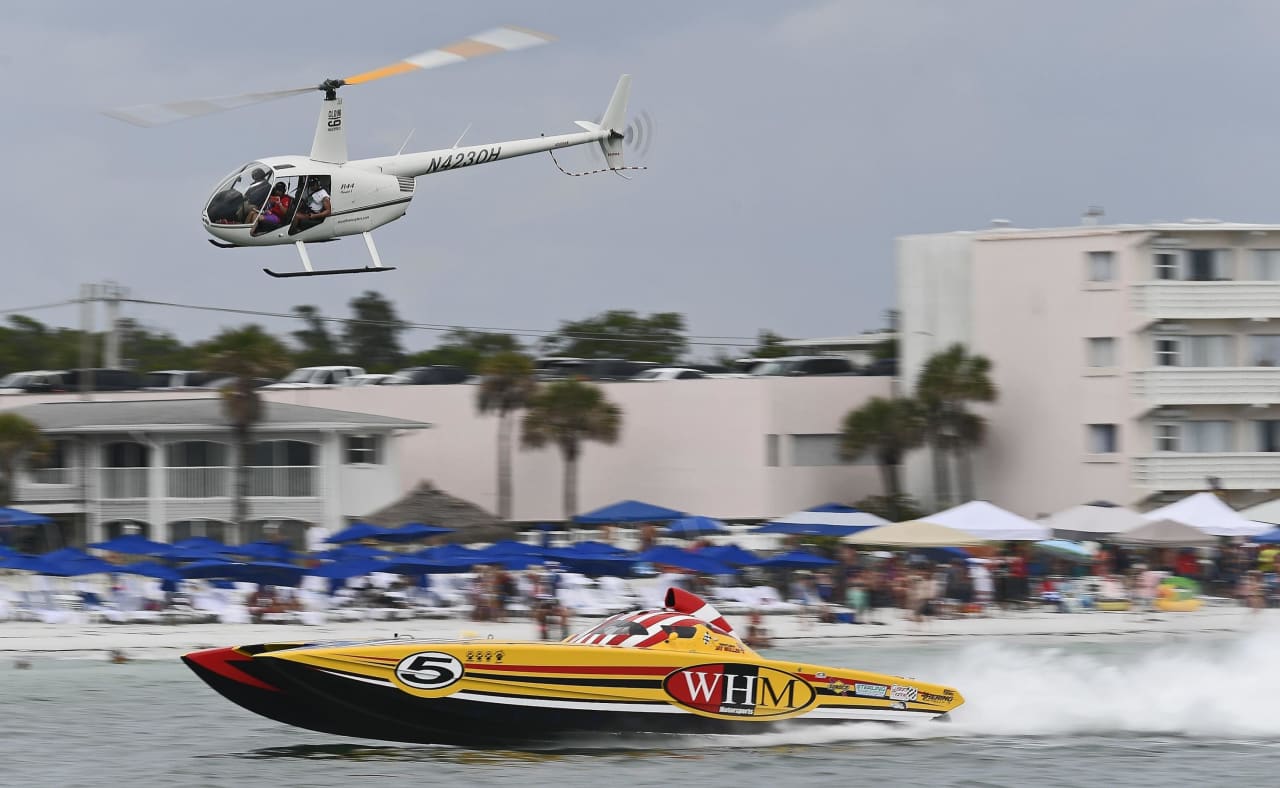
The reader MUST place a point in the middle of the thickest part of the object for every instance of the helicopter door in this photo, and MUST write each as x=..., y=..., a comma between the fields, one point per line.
x=281, y=202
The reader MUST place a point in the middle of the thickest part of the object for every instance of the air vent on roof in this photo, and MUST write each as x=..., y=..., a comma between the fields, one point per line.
x=406, y=183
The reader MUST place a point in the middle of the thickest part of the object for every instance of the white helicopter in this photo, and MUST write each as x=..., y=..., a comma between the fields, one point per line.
x=326, y=196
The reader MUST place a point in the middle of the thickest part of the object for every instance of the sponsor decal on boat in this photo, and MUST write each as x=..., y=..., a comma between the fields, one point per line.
x=737, y=690
x=903, y=692
x=838, y=687
x=898, y=705
x=929, y=697
x=429, y=671
x=870, y=690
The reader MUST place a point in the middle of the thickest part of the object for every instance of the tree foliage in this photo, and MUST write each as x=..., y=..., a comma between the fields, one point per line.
x=19, y=437
x=621, y=333
x=887, y=429
x=507, y=384
x=372, y=339
x=461, y=347
x=565, y=414
x=316, y=344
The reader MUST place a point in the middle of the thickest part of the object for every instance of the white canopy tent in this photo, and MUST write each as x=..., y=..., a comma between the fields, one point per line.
x=859, y=519
x=1086, y=521
x=990, y=523
x=1268, y=512
x=1165, y=532
x=1208, y=513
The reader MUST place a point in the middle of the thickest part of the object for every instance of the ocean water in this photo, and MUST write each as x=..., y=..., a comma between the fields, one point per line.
x=1200, y=711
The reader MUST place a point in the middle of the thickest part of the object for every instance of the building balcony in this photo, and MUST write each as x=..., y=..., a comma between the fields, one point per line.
x=207, y=482
x=120, y=483
x=1207, y=385
x=1192, y=470
x=284, y=481
x=1207, y=300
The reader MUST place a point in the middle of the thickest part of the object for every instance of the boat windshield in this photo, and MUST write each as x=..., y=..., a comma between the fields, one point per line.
x=617, y=627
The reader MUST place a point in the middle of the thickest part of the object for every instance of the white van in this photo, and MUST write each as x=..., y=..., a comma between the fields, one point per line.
x=316, y=377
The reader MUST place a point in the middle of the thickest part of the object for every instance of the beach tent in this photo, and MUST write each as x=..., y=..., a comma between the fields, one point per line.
x=914, y=533
x=1166, y=532
x=410, y=532
x=628, y=512
x=694, y=560
x=1064, y=548
x=696, y=526
x=731, y=554
x=1267, y=512
x=354, y=533
x=1270, y=537
x=1208, y=513
x=1090, y=520
x=17, y=517
x=821, y=523
x=989, y=523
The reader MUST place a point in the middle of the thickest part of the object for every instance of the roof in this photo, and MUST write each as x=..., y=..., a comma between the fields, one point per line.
x=870, y=339
x=427, y=504
x=1186, y=226
x=192, y=415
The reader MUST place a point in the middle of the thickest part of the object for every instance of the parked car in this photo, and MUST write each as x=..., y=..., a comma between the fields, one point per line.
x=671, y=373
x=796, y=366
x=169, y=379
x=435, y=374
x=102, y=379
x=881, y=366
x=37, y=381
x=222, y=383
x=370, y=379
x=316, y=377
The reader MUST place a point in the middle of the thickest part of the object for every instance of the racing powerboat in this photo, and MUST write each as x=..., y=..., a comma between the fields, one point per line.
x=680, y=669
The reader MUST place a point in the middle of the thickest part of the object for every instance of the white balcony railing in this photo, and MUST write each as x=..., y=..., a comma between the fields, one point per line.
x=50, y=475
x=1208, y=385
x=211, y=482
x=1191, y=470
x=283, y=481
x=124, y=482
x=1206, y=300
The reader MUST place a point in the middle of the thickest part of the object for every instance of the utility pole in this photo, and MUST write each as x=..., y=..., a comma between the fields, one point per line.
x=111, y=293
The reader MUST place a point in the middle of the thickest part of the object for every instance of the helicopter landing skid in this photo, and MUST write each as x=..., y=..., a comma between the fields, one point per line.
x=369, y=269
x=377, y=266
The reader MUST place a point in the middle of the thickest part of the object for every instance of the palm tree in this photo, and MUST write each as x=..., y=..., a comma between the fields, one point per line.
x=247, y=353
x=507, y=385
x=888, y=429
x=951, y=379
x=18, y=438
x=566, y=413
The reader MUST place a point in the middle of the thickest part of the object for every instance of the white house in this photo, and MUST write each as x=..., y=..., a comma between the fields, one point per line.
x=165, y=468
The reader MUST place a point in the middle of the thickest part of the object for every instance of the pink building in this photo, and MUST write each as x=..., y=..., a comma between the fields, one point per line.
x=1135, y=363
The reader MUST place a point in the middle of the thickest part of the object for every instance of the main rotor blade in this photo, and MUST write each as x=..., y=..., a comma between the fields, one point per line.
x=159, y=114
x=499, y=39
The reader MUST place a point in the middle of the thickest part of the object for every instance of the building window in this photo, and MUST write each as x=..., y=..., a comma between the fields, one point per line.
x=1208, y=436
x=54, y=466
x=1168, y=351
x=1268, y=434
x=1103, y=439
x=1166, y=265
x=1102, y=266
x=1207, y=265
x=1102, y=351
x=1168, y=437
x=1264, y=350
x=362, y=449
x=816, y=450
x=771, y=458
x=1266, y=265
x=1204, y=350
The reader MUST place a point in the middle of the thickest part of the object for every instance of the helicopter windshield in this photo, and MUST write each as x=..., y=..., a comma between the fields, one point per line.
x=239, y=199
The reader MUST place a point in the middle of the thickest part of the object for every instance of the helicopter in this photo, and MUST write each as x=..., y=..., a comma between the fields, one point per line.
x=329, y=196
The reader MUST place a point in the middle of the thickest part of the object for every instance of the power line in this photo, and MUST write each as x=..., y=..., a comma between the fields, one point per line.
x=438, y=327
x=37, y=307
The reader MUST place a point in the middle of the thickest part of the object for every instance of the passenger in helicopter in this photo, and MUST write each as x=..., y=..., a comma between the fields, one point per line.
x=315, y=206
x=277, y=209
x=256, y=194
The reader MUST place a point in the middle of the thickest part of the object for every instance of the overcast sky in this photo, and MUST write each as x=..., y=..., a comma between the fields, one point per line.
x=793, y=141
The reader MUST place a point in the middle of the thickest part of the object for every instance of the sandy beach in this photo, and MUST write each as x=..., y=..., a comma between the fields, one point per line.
x=160, y=641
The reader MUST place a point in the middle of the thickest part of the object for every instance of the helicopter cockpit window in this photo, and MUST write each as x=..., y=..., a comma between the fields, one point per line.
x=281, y=203
x=241, y=197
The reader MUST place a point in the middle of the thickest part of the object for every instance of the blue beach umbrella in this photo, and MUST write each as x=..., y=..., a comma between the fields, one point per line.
x=9, y=516
x=628, y=512
x=410, y=532
x=696, y=526
x=731, y=554
x=692, y=560
x=133, y=544
x=355, y=532
x=1270, y=537
x=796, y=559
